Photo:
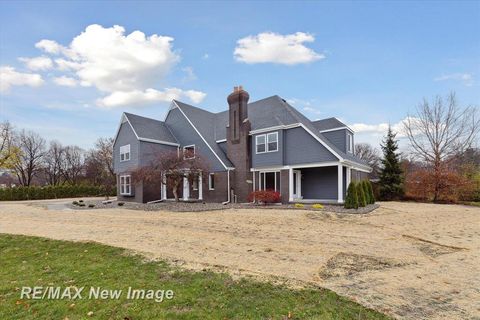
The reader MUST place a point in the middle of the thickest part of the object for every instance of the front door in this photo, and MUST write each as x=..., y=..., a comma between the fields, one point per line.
x=297, y=184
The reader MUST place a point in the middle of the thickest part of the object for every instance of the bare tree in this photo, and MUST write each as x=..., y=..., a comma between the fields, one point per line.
x=54, y=162
x=439, y=130
x=7, y=149
x=99, y=164
x=171, y=168
x=370, y=155
x=31, y=151
x=104, y=153
x=73, y=164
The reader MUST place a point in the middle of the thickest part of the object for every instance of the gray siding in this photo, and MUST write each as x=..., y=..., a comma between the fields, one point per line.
x=125, y=136
x=268, y=158
x=186, y=135
x=320, y=183
x=300, y=147
x=338, y=138
x=149, y=151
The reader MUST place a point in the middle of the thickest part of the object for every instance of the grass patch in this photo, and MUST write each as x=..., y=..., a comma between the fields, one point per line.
x=32, y=261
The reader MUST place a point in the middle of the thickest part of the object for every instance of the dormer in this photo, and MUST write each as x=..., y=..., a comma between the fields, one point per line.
x=337, y=133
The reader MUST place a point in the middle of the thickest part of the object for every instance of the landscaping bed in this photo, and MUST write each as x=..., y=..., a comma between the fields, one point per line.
x=204, y=206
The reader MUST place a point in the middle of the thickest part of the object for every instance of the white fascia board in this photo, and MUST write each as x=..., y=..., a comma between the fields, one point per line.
x=200, y=135
x=123, y=120
x=289, y=126
x=336, y=129
x=322, y=142
x=357, y=166
x=159, y=142
x=221, y=140
x=298, y=166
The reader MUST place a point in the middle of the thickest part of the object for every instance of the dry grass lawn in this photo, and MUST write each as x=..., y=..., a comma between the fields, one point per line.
x=408, y=260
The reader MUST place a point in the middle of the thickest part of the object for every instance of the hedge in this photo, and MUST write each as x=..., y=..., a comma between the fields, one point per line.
x=52, y=192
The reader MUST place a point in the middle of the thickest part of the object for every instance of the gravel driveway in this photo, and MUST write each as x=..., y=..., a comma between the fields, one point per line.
x=408, y=260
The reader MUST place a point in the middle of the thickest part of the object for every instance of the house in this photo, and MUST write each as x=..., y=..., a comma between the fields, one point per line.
x=266, y=144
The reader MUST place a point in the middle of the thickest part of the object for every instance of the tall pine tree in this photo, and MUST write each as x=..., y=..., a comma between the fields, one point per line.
x=391, y=175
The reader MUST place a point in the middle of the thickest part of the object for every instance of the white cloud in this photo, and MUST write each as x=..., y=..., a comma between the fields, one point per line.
x=189, y=74
x=65, y=81
x=205, y=56
x=49, y=46
x=276, y=48
x=465, y=78
x=37, y=63
x=10, y=77
x=382, y=128
x=139, y=97
x=126, y=67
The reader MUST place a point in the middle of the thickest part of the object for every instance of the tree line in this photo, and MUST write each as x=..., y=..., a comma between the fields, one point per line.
x=443, y=160
x=28, y=157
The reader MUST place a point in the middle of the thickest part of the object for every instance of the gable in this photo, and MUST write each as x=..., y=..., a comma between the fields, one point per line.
x=187, y=135
x=301, y=147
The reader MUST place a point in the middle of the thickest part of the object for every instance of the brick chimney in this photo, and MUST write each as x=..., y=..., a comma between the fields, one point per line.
x=238, y=143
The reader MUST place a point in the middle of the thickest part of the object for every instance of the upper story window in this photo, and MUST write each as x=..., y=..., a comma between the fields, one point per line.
x=349, y=142
x=125, y=185
x=125, y=153
x=189, y=152
x=266, y=142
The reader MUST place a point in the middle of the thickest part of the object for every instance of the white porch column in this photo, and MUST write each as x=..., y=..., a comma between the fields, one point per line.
x=340, y=183
x=290, y=184
x=186, y=189
x=349, y=176
x=200, y=186
x=164, y=187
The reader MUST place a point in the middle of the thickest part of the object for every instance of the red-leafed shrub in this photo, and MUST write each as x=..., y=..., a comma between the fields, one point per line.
x=264, y=196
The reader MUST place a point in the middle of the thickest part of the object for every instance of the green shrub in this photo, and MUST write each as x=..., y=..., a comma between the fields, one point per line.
x=81, y=201
x=351, y=201
x=121, y=203
x=52, y=192
x=371, y=196
x=91, y=205
x=81, y=204
x=362, y=201
x=364, y=184
x=75, y=203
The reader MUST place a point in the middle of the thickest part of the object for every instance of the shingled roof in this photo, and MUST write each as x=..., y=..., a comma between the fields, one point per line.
x=328, y=124
x=151, y=129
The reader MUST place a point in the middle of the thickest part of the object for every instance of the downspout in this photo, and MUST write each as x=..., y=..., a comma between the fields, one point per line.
x=228, y=188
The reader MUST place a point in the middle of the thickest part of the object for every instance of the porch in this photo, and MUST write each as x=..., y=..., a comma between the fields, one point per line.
x=309, y=183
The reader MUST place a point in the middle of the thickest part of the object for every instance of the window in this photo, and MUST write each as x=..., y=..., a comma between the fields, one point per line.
x=267, y=142
x=269, y=180
x=349, y=142
x=211, y=181
x=125, y=185
x=260, y=142
x=189, y=152
x=125, y=153
x=272, y=142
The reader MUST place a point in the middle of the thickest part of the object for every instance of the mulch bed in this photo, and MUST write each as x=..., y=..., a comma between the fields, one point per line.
x=202, y=206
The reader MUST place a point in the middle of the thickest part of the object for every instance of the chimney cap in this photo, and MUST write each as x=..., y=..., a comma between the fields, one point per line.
x=237, y=88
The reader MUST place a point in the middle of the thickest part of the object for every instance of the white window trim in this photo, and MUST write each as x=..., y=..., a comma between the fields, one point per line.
x=125, y=153
x=210, y=181
x=194, y=152
x=265, y=135
x=262, y=181
x=124, y=185
x=349, y=142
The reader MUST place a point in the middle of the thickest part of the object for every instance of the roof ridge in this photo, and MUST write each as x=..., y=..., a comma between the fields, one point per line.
x=137, y=115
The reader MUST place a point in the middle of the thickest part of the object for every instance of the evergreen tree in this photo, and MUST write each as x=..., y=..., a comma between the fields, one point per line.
x=391, y=175
x=351, y=201
x=365, y=191
x=362, y=201
x=370, y=192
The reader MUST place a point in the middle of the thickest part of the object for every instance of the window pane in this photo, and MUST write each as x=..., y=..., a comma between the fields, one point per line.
x=272, y=146
x=260, y=147
x=261, y=139
x=272, y=137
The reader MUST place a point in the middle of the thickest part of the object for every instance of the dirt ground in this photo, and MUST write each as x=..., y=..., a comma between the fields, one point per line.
x=409, y=260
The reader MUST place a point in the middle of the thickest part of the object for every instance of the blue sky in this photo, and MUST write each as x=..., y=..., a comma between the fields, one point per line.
x=367, y=63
